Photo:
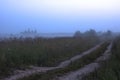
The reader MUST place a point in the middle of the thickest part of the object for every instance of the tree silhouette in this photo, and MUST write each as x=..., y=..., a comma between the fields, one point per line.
x=90, y=33
x=78, y=34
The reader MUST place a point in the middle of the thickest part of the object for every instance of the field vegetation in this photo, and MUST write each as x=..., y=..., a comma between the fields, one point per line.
x=72, y=67
x=21, y=53
x=111, y=68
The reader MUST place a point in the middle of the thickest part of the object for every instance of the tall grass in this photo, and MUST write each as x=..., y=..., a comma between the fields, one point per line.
x=20, y=53
x=111, y=68
x=72, y=67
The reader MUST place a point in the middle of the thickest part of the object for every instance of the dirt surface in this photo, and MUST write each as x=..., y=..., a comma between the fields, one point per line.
x=20, y=74
x=88, y=68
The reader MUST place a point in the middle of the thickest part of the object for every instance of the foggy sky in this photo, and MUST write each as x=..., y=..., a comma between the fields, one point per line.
x=51, y=16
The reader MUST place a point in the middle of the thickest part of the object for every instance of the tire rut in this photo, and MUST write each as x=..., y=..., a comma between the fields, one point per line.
x=21, y=74
x=79, y=74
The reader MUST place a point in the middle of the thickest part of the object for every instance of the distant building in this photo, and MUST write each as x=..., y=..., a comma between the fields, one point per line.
x=29, y=33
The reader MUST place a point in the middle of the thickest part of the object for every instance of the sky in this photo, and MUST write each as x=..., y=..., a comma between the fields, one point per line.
x=59, y=16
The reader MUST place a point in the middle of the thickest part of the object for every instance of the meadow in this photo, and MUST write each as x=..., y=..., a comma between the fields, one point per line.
x=73, y=66
x=111, y=68
x=23, y=52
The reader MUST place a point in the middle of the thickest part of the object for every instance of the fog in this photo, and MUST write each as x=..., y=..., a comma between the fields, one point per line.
x=47, y=39
x=59, y=16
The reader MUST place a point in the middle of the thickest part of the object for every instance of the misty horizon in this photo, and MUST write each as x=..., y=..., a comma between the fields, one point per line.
x=59, y=16
x=59, y=39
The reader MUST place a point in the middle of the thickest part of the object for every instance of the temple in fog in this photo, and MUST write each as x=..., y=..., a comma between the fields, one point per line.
x=29, y=33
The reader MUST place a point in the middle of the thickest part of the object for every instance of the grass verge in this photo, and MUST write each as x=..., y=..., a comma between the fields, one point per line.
x=111, y=68
x=21, y=53
x=72, y=67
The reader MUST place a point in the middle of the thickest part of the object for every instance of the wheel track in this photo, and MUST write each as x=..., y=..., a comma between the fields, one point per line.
x=35, y=70
x=79, y=74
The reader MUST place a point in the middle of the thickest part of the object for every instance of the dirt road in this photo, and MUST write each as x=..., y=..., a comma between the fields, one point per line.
x=35, y=70
x=88, y=68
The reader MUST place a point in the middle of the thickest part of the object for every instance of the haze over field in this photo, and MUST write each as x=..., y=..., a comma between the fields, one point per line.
x=54, y=16
x=59, y=39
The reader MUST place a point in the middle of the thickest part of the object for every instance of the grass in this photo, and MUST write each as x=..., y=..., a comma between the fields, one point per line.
x=72, y=67
x=21, y=53
x=111, y=68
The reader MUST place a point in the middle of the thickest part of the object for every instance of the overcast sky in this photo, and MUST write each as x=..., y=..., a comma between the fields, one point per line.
x=51, y=16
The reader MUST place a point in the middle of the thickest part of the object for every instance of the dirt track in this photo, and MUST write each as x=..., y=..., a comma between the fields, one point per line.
x=88, y=68
x=35, y=70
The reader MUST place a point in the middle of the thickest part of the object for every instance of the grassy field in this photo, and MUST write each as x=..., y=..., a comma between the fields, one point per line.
x=21, y=53
x=72, y=67
x=111, y=68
